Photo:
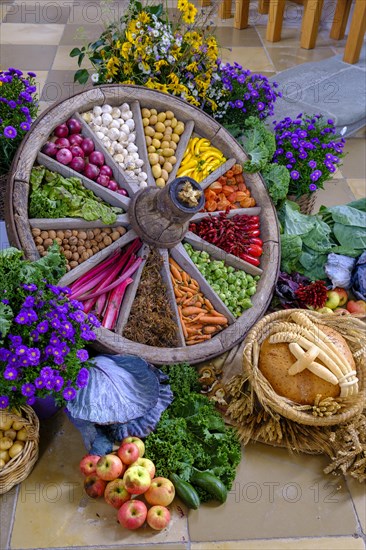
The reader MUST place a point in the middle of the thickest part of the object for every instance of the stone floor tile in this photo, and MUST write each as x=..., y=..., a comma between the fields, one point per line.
x=326, y=543
x=36, y=12
x=29, y=58
x=254, y=58
x=31, y=34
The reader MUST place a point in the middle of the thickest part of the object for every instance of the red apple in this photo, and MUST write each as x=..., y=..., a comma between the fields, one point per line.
x=109, y=467
x=88, y=464
x=137, y=441
x=158, y=517
x=146, y=463
x=343, y=296
x=94, y=486
x=128, y=453
x=132, y=514
x=137, y=480
x=161, y=492
x=357, y=306
x=116, y=494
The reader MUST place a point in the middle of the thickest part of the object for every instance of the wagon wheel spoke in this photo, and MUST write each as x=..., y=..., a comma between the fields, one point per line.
x=170, y=291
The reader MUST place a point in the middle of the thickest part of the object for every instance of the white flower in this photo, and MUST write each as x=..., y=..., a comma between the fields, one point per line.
x=194, y=92
x=95, y=77
x=155, y=33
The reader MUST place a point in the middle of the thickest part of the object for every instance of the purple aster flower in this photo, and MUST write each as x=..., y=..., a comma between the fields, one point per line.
x=4, y=354
x=28, y=389
x=313, y=187
x=4, y=401
x=31, y=287
x=10, y=132
x=88, y=335
x=34, y=334
x=31, y=400
x=11, y=373
x=27, y=97
x=289, y=155
x=31, y=316
x=31, y=74
x=239, y=104
x=25, y=126
x=46, y=372
x=93, y=320
x=21, y=318
x=294, y=175
x=33, y=355
x=49, y=383
x=69, y=393
x=12, y=104
x=303, y=155
x=39, y=382
x=330, y=121
x=82, y=355
x=314, y=176
x=42, y=327
x=289, y=166
x=312, y=164
x=55, y=323
x=58, y=382
x=15, y=340
x=21, y=350
x=28, y=302
x=260, y=106
x=6, y=302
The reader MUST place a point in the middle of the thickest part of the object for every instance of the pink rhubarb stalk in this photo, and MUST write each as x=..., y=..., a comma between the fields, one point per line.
x=114, y=304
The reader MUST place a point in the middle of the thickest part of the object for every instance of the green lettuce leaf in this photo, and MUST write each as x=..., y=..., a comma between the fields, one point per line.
x=352, y=236
x=319, y=237
x=313, y=264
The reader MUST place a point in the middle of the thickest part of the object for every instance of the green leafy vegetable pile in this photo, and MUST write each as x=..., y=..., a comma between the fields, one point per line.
x=53, y=196
x=306, y=241
x=192, y=433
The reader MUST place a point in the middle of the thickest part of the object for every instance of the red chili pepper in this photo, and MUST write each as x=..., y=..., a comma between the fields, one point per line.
x=256, y=240
x=254, y=250
x=254, y=233
x=250, y=259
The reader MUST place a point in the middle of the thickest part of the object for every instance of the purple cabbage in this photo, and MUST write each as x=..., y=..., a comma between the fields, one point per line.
x=358, y=280
x=286, y=288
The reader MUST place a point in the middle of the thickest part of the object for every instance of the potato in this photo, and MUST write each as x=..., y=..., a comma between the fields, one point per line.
x=4, y=455
x=60, y=234
x=168, y=152
x=1, y=434
x=158, y=135
x=153, y=120
x=160, y=127
x=89, y=244
x=5, y=443
x=52, y=234
x=38, y=241
x=164, y=144
x=153, y=159
x=95, y=249
x=161, y=159
x=156, y=143
x=36, y=232
x=44, y=234
x=67, y=267
x=160, y=182
x=66, y=247
x=16, y=449
x=80, y=242
x=148, y=140
x=101, y=246
x=149, y=131
x=179, y=128
x=156, y=170
x=73, y=264
x=5, y=421
x=115, y=235
x=174, y=122
x=169, y=114
x=151, y=149
x=153, y=111
x=145, y=122
x=107, y=240
x=168, y=124
x=10, y=433
x=47, y=243
x=175, y=137
x=82, y=235
x=161, y=117
x=164, y=175
x=173, y=145
x=172, y=160
x=18, y=424
x=22, y=435
x=146, y=113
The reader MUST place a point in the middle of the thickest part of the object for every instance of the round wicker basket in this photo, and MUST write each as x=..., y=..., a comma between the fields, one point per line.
x=19, y=467
x=305, y=202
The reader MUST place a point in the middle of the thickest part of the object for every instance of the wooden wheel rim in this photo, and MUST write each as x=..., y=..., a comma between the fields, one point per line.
x=18, y=227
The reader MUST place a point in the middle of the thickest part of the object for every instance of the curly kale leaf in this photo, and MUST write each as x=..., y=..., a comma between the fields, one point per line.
x=277, y=179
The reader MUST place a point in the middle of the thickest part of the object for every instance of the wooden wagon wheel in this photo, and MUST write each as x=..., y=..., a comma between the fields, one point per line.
x=197, y=123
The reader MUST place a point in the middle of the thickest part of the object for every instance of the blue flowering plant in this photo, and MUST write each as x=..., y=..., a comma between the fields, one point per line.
x=18, y=107
x=246, y=94
x=43, y=333
x=310, y=149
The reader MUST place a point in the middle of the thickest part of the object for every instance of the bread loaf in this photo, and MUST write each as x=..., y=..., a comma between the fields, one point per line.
x=276, y=359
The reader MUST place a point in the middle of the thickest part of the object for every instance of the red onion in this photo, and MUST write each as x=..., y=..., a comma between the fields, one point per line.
x=74, y=126
x=113, y=185
x=50, y=149
x=121, y=191
x=87, y=146
x=103, y=180
x=62, y=142
x=96, y=157
x=91, y=171
x=64, y=156
x=106, y=170
x=61, y=131
x=77, y=164
x=77, y=151
x=75, y=139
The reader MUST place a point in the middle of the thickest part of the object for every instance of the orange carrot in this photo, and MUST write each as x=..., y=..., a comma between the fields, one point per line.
x=177, y=276
x=209, y=329
x=211, y=320
x=191, y=310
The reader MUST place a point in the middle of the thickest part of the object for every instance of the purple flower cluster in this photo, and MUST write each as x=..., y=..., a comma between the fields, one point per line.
x=44, y=353
x=310, y=150
x=18, y=107
x=248, y=94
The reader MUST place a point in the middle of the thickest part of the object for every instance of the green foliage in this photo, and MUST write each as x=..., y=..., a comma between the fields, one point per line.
x=258, y=143
x=191, y=433
x=277, y=179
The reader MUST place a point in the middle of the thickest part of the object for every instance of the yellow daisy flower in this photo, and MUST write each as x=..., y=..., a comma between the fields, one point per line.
x=182, y=5
x=144, y=18
x=125, y=50
x=192, y=67
x=189, y=14
x=112, y=65
x=159, y=64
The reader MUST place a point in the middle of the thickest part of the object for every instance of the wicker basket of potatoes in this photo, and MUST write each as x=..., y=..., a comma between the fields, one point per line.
x=19, y=436
x=77, y=245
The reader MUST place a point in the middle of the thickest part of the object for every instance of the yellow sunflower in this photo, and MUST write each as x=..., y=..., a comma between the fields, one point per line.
x=182, y=5
x=189, y=14
x=126, y=50
x=112, y=66
x=144, y=18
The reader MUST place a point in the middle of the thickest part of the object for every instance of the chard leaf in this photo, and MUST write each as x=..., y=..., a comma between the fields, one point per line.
x=350, y=236
x=346, y=215
x=295, y=223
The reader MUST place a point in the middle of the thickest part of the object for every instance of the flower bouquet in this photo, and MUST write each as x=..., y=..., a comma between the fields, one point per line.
x=42, y=334
x=18, y=107
x=147, y=49
x=309, y=149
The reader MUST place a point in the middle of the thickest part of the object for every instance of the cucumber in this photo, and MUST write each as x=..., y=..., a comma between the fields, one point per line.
x=210, y=483
x=185, y=491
